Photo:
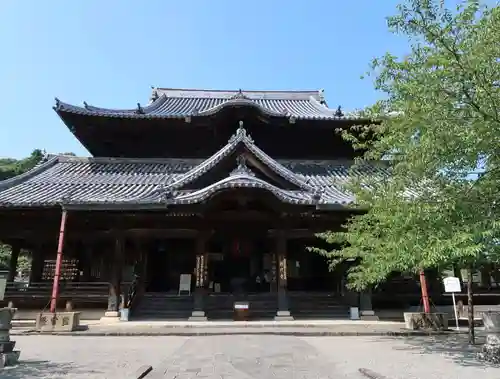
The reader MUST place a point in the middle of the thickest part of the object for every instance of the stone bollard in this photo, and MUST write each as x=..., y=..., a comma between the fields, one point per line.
x=490, y=351
x=8, y=356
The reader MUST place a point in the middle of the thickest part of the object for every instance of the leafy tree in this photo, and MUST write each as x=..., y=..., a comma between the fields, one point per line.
x=9, y=168
x=440, y=123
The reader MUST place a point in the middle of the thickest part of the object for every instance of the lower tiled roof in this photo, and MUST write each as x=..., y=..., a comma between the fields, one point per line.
x=111, y=180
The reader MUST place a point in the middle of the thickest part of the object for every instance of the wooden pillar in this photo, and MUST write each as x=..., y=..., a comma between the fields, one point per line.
x=201, y=270
x=274, y=272
x=14, y=257
x=87, y=262
x=37, y=260
x=59, y=257
x=366, y=306
x=115, y=278
x=283, y=310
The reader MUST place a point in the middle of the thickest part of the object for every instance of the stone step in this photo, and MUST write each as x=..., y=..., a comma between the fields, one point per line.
x=162, y=313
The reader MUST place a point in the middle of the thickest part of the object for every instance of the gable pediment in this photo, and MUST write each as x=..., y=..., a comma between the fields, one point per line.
x=242, y=157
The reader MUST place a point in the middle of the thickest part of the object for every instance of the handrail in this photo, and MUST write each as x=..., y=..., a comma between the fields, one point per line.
x=68, y=289
x=135, y=293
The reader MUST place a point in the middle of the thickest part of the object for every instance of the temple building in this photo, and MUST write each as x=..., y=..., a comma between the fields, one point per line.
x=199, y=199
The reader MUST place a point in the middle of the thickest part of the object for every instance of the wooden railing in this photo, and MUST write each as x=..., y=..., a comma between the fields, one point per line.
x=68, y=290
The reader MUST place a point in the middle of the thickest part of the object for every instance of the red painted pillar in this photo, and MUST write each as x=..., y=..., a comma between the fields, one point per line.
x=57, y=273
x=425, y=294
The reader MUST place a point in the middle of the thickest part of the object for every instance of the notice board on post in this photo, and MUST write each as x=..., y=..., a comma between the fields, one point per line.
x=185, y=284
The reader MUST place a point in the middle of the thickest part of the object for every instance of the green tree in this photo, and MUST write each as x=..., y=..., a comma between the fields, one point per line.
x=440, y=122
x=9, y=168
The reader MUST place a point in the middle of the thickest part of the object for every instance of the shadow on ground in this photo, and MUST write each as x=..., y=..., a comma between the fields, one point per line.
x=44, y=369
x=454, y=347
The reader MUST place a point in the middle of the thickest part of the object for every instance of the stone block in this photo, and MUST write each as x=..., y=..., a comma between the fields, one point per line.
x=110, y=317
x=6, y=315
x=491, y=321
x=198, y=316
x=490, y=351
x=9, y=359
x=8, y=356
x=423, y=321
x=58, y=322
x=283, y=316
x=368, y=316
x=4, y=336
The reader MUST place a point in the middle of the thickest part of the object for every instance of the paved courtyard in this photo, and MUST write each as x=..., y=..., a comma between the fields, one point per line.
x=246, y=357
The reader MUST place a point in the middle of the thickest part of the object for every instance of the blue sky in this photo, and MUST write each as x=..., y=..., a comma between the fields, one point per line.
x=110, y=52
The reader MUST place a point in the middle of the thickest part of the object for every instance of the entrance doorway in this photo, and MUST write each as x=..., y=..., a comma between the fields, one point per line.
x=238, y=265
x=167, y=260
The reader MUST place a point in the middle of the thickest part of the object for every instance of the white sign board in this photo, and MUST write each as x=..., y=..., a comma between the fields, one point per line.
x=241, y=305
x=3, y=283
x=185, y=283
x=452, y=284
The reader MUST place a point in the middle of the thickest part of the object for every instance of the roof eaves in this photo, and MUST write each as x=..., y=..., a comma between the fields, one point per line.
x=244, y=181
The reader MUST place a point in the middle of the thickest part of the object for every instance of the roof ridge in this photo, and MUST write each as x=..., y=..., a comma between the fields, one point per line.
x=226, y=94
x=233, y=90
x=117, y=160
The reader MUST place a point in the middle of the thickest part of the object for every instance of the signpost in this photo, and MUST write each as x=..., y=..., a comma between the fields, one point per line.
x=3, y=283
x=452, y=285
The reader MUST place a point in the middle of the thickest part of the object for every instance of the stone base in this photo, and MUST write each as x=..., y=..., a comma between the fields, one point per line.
x=421, y=320
x=110, y=317
x=368, y=316
x=58, y=322
x=198, y=316
x=490, y=352
x=283, y=316
x=491, y=321
x=9, y=359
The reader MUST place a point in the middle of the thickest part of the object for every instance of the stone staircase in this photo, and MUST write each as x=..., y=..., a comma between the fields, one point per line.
x=316, y=306
x=219, y=306
x=263, y=306
x=163, y=306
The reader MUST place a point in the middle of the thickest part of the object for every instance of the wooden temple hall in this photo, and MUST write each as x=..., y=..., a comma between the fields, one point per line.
x=190, y=203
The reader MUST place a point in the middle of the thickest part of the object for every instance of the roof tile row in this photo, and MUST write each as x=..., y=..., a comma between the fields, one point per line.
x=168, y=103
x=146, y=181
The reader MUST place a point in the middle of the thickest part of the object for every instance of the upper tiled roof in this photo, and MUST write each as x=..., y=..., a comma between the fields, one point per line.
x=146, y=182
x=181, y=103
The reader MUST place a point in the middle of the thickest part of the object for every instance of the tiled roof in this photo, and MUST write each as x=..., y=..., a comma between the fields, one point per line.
x=125, y=181
x=179, y=103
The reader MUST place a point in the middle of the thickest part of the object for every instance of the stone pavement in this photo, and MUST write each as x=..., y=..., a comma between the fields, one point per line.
x=247, y=357
x=294, y=328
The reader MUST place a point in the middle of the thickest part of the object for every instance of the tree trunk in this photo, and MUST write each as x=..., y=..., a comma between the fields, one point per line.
x=470, y=306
